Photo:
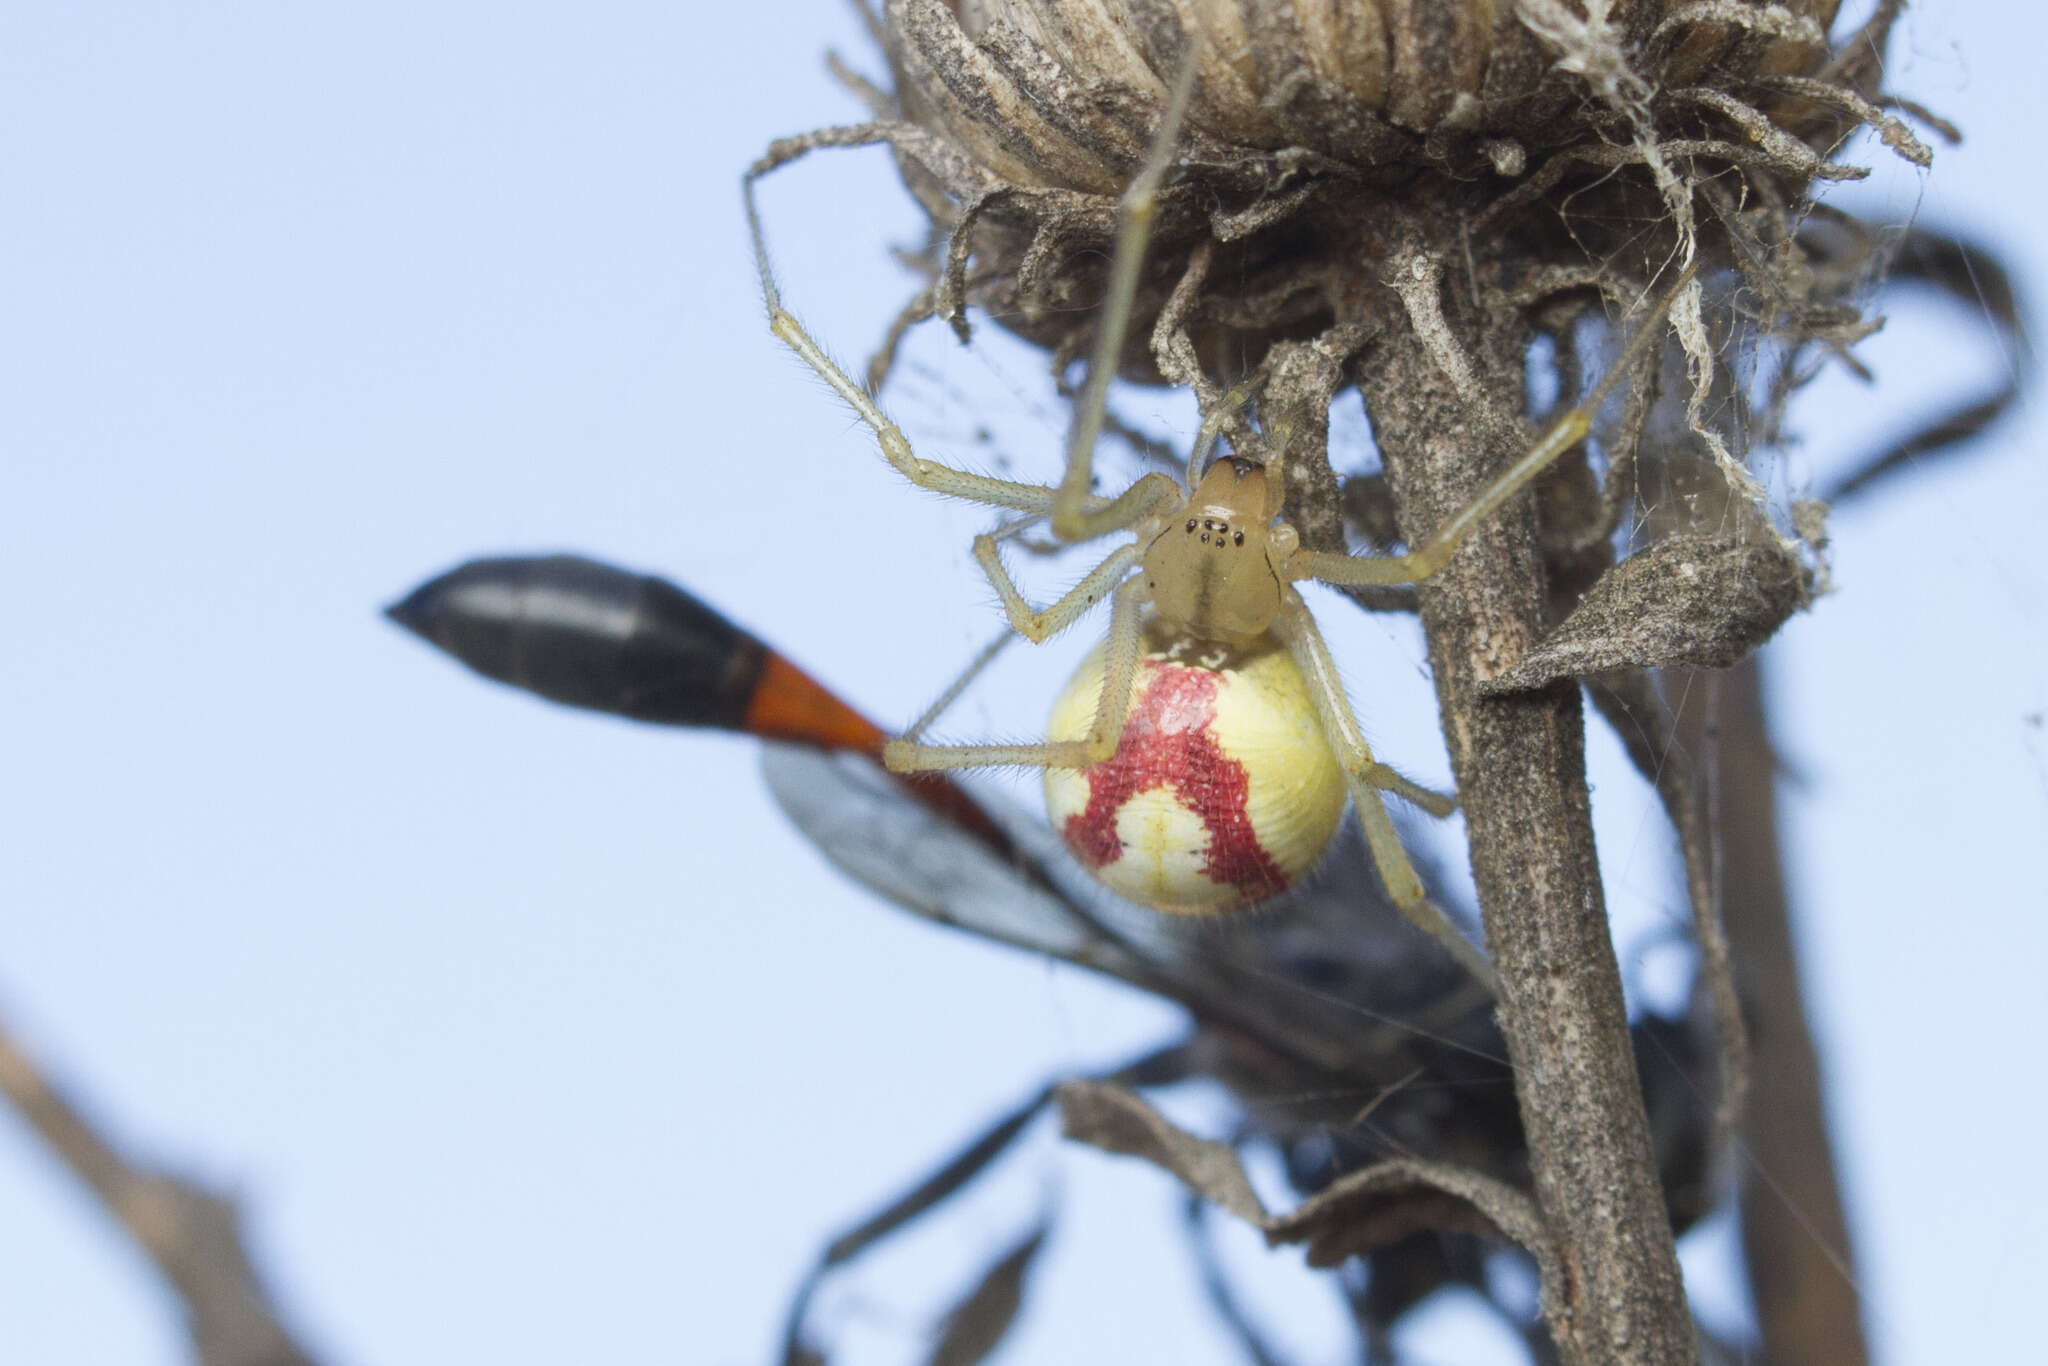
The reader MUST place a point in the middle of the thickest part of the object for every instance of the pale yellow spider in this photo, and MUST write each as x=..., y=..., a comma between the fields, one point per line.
x=1238, y=676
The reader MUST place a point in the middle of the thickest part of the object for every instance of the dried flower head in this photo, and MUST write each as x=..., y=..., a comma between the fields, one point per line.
x=1477, y=179
x=1316, y=129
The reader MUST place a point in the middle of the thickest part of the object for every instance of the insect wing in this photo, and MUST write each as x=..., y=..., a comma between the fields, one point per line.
x=1035, y=898
x=875, y=831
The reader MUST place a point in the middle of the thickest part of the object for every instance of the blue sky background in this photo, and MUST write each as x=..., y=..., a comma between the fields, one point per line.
x=537, y=1037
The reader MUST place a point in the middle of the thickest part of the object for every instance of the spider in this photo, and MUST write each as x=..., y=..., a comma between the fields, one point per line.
x=1200, y=760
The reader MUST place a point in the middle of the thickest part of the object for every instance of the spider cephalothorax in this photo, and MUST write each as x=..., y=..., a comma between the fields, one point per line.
x=1214, y=568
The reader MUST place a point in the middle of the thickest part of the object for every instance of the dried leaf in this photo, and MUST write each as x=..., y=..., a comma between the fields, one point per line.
x=1380, y=1205
x=1160, y=1067
x=1368, y=1209
x=1117, y=1121
x=947, y=1180
x=1696, y=601
x=977, y=1325
x=1630, y=702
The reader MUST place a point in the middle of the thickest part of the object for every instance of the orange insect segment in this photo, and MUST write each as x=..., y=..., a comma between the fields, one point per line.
x=1223, y=791
x=788, y=704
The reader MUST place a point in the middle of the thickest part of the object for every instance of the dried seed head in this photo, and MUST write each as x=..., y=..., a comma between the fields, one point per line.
x=1043, y=90
x=1499, y=185
x=1310, y=117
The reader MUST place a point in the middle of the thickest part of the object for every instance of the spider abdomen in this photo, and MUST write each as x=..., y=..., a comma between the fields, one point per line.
x=1223, y=791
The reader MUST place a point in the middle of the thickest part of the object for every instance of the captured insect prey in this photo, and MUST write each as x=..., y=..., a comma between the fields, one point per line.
x=1276, y=1003
x=601, y=638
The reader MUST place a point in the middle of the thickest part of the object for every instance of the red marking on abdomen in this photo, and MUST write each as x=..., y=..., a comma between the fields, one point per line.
x=1169, y=741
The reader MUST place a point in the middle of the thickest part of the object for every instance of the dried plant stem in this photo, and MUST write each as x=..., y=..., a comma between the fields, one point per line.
x=1520, y=766
x=192, y=1234
x=1794, y=1237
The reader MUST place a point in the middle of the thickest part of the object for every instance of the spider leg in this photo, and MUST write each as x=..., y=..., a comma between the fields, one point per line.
x=1367, y=778
x=1389, y=779
x=1568, y=431
x=982, y=659
x=1120, y=669
x=1037, y=627
x=1072, y=518
x=926, y=474
x=1418, y=564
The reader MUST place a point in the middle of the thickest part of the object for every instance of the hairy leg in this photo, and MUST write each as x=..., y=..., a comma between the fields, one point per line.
x=1368, y=778
x=1121, y=668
